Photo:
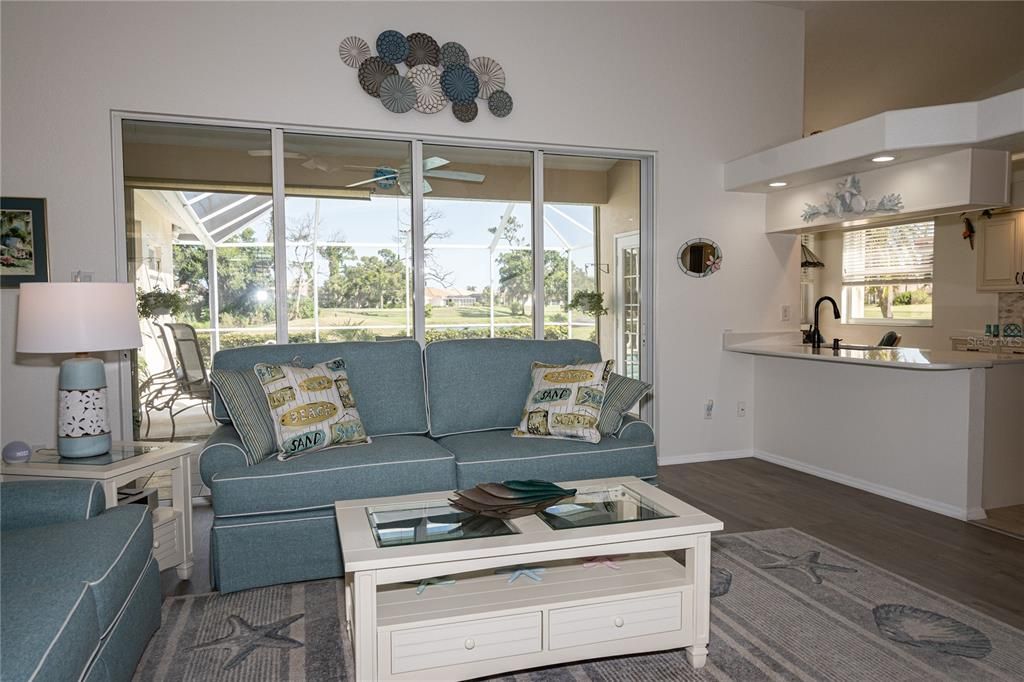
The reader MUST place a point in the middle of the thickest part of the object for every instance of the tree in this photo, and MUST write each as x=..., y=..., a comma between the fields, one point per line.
x=433, y=270
x=515, y=279
x=245, y=278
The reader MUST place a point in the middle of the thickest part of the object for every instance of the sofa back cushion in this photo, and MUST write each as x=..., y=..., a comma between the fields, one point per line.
x=386, y=377
x=482, y=384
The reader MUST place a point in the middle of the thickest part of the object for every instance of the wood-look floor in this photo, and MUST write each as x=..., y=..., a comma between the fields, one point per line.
x=1009, y=520
x=972, y=565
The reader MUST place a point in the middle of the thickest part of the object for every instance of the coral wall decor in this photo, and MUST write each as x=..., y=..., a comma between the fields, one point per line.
x=414, y=72
x=847, y=200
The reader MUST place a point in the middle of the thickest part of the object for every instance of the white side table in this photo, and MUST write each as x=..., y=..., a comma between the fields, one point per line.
x=126, y=462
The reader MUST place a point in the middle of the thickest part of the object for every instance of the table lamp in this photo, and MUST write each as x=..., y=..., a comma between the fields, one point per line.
x=79, y=318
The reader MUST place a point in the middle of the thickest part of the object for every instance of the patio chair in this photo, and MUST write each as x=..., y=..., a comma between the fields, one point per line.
x=192, y=380
x=159, y=390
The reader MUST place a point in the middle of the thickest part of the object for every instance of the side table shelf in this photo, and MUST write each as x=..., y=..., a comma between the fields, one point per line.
x=126, y=463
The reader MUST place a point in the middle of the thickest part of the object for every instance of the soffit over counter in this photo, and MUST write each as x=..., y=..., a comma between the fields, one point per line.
x=908, y=134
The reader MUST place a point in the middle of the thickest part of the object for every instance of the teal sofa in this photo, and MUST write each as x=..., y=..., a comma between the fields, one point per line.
x=440, y=418
x=79, y=587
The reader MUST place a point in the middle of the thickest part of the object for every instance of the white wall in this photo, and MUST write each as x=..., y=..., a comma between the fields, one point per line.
x=957, y=306
x=699, y=83
x=862, y=426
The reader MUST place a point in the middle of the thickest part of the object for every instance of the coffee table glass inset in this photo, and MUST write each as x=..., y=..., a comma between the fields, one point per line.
x=435, y=521
x=438, y=521
x=602, y=507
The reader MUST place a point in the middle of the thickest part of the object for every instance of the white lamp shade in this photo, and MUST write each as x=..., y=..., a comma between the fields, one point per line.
x=77, y=317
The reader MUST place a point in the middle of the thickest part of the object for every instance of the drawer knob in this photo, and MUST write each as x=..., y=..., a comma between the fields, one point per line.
x=156, y=544
x=619, y=622
x=470, y=644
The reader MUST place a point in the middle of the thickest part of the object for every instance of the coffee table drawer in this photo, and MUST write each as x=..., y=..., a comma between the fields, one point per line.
x=475, y=640
x=612, y=620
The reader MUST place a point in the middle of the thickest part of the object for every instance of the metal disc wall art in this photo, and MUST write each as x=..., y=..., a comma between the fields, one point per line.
x=426, y=80
x=372, y=73
x=392, y=46
x=500, y=103
x=454, y=53
x=397, y=94
x=422, y=50
x=353, y=51
x=465, y=111
x=414, y=72
x=490, y=74
x=460, y=84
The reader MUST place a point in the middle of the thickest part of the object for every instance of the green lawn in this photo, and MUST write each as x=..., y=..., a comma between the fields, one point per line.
x=375, y=317
x=914, y=311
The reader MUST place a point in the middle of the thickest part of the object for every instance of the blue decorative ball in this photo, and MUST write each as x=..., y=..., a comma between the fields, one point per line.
x=460, y=84
x=16, y=451
x=392, y=46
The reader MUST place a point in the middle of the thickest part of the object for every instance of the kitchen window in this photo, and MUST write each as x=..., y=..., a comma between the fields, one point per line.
x=887, y=274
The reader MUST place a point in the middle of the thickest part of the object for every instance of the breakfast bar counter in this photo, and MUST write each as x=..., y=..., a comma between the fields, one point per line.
x=940, y=430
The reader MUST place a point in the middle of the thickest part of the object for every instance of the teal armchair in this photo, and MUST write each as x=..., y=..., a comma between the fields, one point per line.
x=79, y=587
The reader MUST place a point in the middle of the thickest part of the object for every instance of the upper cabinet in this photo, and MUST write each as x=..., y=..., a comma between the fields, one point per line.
x=1000, y=243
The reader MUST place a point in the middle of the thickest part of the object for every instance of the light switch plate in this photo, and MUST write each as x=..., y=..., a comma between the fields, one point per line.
x=785, y=312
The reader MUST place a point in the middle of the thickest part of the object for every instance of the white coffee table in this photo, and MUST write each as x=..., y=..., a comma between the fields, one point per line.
x=127, y=462
x=482, y=624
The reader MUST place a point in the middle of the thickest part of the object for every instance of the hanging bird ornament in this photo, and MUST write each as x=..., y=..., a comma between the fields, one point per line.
x=968, y=232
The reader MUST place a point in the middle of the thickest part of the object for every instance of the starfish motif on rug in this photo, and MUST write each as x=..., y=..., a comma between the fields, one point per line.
x=806, y=563
x=245, y=639
x=531, y=572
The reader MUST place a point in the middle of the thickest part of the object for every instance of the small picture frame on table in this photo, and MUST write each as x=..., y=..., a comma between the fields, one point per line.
x=23, y=252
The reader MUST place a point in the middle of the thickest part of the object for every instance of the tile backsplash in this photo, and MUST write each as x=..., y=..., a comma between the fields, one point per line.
x=1011, y=307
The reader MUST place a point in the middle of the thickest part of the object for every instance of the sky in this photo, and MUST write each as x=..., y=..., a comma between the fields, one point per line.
x=380, y=220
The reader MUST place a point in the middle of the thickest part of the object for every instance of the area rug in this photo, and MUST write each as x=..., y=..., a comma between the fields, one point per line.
x=785, y=606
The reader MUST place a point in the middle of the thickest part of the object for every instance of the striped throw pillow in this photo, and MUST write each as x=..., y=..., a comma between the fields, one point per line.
x=246, y=403
x=621, y=394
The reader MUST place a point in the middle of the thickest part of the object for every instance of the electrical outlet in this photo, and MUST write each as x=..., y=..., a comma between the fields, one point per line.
x=785, y=312
x=709, y=406
x=741, y=409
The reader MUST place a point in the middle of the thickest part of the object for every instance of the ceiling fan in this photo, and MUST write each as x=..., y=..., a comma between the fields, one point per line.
x=386, y=176
x=311, y=162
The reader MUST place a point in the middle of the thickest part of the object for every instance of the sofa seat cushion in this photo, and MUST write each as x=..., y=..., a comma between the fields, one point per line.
x=64, y=586
x=390, y=465
x=489, y=456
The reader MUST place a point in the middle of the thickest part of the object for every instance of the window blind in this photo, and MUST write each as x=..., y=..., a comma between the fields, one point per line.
x=889, y=255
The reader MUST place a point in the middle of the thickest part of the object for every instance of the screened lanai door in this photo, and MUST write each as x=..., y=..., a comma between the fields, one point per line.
x=253, y=235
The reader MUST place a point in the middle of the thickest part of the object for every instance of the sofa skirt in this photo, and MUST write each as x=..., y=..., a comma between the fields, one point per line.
x=268, y=549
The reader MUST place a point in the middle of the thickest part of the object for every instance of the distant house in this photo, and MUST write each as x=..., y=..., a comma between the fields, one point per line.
x=455, y=298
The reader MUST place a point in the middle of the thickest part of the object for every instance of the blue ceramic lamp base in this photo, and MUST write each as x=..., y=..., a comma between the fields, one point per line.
x=82, y=426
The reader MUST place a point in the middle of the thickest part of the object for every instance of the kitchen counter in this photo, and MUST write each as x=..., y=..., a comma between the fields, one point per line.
x=788, y=345
x=849, y=417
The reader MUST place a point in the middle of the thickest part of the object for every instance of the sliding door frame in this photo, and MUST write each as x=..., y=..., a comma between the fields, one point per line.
x=278, y=130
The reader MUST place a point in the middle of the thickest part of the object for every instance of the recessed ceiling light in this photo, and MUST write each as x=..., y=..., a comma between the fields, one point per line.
x=777, y=184
x=884, y=158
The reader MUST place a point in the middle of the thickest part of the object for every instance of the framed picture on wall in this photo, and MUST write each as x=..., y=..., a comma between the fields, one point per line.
x=23, y=255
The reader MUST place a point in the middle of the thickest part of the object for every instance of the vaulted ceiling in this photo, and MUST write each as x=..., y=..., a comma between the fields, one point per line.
x=863, y=58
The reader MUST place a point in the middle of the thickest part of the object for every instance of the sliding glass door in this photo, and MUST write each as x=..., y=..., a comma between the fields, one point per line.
x=372, y=239
x=348, y=217
x=200, y=250
x=477, y=243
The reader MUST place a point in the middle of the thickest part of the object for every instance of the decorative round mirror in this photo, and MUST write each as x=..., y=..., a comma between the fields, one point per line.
x=699, y=257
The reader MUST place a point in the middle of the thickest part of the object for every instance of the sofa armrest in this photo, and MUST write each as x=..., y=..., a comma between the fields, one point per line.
x=223, y=450
x=635, y=429
x=28, y=504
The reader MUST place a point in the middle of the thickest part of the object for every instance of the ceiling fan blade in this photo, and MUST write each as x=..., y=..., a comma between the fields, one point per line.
x=369, y=180
x=434, y=162
x=427, y=189
x=456, y=175
x=266, y=152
